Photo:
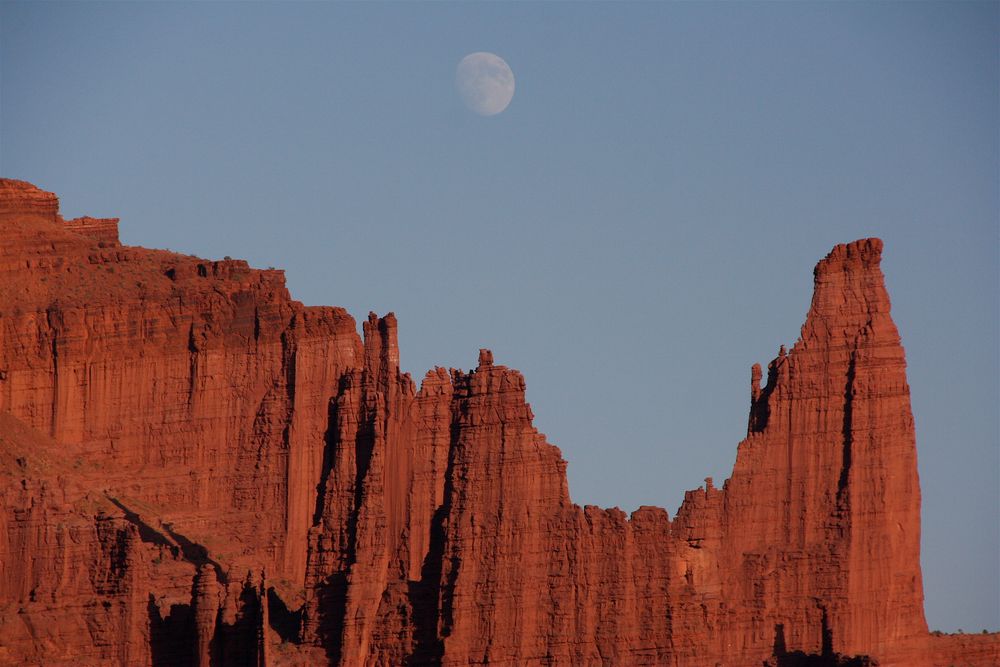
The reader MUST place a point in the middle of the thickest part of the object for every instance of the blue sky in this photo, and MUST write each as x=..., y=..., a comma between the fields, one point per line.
x=633, y=232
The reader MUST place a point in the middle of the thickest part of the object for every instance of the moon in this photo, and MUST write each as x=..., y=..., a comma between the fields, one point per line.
x=485, y=83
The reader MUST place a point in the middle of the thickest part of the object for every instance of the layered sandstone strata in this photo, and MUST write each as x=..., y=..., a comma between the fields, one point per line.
x=196, y=469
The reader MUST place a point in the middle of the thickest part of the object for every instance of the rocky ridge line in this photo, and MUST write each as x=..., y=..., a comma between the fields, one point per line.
x=196, y=469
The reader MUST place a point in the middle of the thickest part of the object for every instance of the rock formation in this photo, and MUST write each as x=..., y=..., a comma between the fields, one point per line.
x=197, y=470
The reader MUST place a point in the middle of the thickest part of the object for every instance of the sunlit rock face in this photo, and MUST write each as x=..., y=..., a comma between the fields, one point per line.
x=196, y=469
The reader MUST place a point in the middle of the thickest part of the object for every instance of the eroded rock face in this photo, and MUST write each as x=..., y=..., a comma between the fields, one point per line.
x=196, y=469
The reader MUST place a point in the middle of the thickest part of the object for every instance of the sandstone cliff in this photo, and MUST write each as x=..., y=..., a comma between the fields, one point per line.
x=196, y=469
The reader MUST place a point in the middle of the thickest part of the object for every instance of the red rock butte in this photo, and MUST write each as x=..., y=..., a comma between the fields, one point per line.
x=197, y=470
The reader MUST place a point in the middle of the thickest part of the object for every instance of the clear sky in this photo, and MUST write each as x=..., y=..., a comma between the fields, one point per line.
x=633, y=232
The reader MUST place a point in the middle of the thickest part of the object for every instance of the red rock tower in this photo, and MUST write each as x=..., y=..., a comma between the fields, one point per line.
x=822, y=511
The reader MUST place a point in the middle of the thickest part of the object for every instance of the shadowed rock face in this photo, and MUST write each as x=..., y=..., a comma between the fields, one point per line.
x=196, y=469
